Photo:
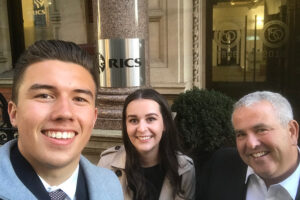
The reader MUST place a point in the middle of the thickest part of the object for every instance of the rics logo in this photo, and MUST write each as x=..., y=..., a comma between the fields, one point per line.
x=119, y=63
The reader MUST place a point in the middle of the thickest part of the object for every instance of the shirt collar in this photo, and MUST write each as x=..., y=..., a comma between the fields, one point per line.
x=69, y=186
x=290, y=184
x=250, y=171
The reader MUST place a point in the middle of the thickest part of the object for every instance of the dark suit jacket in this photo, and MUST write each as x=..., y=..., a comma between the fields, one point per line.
x=31, y=180
x=223, y=178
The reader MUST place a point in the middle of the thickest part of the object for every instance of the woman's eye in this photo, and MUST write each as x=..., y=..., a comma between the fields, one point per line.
x=133, y=121
x=150, y=119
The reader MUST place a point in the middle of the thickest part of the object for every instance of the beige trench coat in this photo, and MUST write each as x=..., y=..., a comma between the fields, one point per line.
x=114, y=158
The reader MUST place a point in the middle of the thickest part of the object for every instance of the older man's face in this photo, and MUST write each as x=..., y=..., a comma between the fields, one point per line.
x=263, y=143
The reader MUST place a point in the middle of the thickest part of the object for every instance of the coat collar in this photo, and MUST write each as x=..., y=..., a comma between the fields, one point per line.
x=119, y=159
x=185, y=163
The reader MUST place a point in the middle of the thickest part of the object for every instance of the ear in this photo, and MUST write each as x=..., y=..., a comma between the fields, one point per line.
x=12, y=111
x=293, y=128
x=95, y=115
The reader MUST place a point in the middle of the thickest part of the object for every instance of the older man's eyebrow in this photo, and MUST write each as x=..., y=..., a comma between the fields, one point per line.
x=238, y=131
x=262, y=125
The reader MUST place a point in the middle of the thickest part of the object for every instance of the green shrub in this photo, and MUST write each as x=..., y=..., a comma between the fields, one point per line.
x=204, y=120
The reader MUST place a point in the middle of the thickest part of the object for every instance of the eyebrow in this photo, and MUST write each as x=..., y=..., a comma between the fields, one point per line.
x=260, y=125
x=147, y=115
x=237, y=131
x=41, y=86
x=50, y=87
x=88, y=92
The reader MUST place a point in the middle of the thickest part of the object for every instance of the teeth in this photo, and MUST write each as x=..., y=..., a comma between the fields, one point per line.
x=60, y=135
x=259, y=154
x=144, y=137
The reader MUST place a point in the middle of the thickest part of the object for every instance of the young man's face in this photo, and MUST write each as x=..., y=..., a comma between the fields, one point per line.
x=263, y=143
x=55, y=114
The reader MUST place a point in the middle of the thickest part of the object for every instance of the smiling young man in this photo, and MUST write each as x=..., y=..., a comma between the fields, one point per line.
x=53, y=107
x=267, y=163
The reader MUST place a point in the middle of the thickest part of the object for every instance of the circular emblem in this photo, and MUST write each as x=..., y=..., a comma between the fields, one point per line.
x=275, y=34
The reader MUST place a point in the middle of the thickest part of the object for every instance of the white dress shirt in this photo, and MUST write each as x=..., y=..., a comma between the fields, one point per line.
x=285, y=190
x=69, y=186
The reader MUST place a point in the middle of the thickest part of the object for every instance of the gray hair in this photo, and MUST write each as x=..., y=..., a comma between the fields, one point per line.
x=279, y=103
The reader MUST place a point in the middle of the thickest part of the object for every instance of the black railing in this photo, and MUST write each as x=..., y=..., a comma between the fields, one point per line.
x=7, y=131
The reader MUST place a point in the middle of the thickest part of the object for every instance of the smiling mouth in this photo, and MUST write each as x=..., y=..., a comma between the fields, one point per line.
x=59, y=134
x=144, y=137
x=259, y=154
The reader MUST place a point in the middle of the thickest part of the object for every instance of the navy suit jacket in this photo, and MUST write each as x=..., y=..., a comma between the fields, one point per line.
x=31, y=180
x=18, y=181
x=223, y=178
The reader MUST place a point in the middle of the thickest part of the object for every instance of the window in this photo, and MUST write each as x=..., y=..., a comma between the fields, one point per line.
x=5, y=47
x=22, y=22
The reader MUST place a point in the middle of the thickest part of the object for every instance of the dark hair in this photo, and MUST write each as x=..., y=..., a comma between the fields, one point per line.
x=52, y=50
x=168, y=147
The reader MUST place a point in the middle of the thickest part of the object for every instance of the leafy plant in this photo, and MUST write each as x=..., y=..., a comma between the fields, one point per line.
x=203, y=119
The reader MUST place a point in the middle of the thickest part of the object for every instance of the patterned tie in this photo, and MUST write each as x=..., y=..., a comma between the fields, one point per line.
x=57, y=195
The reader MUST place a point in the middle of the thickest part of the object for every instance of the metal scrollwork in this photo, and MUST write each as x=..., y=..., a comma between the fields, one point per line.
x=7, y=131
x=196, y=35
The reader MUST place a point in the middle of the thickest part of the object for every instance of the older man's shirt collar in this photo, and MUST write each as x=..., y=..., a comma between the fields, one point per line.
x=290, y=184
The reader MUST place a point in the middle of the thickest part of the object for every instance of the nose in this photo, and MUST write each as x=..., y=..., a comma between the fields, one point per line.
x=141, y=126
x=62, y=109
x=252, y=141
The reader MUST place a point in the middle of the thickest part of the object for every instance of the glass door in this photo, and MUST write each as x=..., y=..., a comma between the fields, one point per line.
x=254, y=45
x=237, y=44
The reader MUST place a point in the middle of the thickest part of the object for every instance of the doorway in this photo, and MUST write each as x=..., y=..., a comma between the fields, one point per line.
x=254, y=45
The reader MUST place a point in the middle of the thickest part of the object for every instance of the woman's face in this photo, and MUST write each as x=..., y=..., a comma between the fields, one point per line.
x=145, y=126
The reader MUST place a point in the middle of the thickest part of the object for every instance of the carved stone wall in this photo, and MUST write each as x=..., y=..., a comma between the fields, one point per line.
x=100, y=141
x=170, y=44
x=199, y=43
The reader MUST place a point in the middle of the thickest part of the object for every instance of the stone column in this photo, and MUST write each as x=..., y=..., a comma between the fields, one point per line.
x=121, y=28
x=55, y=19
x=4, y=37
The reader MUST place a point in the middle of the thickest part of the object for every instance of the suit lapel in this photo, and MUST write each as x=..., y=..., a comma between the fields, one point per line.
x=298, y=193
x=27, y=175
x=81, y=188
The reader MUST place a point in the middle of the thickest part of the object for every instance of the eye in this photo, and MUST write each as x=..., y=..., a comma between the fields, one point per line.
x=240, y=134
x=80, y=99
x=151, y=119
x=44, y=96
x=261, y=130
x=133, y=121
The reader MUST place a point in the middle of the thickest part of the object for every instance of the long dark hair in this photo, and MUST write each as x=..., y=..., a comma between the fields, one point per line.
x=168, y=147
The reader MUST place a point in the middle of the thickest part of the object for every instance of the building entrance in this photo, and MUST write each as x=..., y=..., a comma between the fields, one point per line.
x=254, y=45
